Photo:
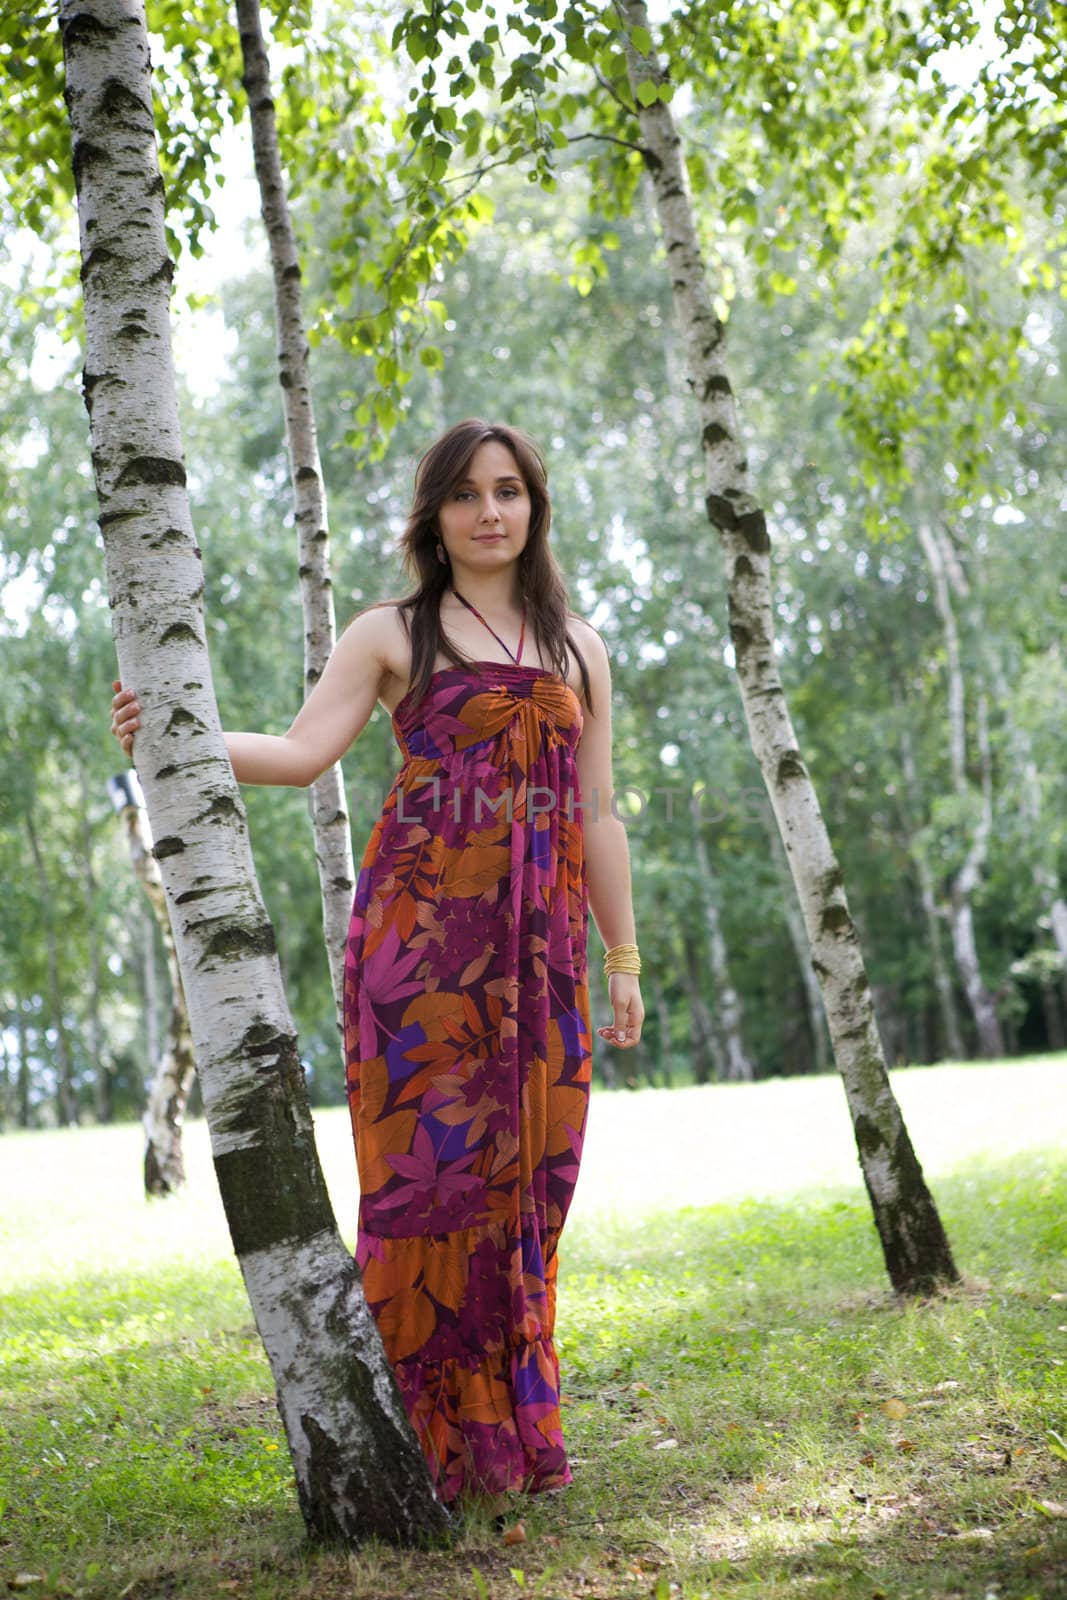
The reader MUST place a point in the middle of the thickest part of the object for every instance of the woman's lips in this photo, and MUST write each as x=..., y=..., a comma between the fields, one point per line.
x=487, y=538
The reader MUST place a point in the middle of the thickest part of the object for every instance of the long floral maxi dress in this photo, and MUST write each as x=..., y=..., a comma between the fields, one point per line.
x=468, y=1048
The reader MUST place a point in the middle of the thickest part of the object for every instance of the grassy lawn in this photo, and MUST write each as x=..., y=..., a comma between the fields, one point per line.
x=749, y=1411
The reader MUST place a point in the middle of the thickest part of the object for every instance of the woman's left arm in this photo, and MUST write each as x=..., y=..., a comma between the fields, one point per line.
x=607, y=851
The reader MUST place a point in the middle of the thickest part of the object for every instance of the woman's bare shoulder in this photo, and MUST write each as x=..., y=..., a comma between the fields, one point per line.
x=585, y=636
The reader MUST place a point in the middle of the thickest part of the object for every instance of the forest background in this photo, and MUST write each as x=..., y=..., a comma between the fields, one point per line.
x=901, y=423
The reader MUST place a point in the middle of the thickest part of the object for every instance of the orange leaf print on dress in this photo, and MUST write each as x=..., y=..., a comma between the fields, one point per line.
x=468, y=1055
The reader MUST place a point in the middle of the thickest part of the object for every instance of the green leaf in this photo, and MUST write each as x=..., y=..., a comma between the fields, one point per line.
x=641, y=40
x=647, y=93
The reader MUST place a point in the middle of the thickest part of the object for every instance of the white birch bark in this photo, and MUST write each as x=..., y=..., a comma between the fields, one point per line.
x=967, y=878
x=798, y=937
x=175, y=1067
x=359, y=1470
x=913, y=1240
x=326, y=798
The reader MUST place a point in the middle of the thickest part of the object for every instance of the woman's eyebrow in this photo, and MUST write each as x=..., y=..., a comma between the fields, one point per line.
x=508, y=477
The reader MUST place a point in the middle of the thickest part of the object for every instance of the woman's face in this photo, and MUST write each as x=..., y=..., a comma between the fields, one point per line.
x=485, y=519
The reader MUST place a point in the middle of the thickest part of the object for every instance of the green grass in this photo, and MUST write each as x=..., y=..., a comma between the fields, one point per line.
x=727, y=1366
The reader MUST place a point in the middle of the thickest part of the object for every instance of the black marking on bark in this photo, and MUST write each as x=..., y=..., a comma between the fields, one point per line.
x=304, y=473
x=835, y=919
x=292, y=271
x=179, y=631
x=170, y=846
x=119, y=104
x=790, y=765
x=133, y=331
x=714, y=433
x=718, y=383
x=86, y=155
x=180, y=718
x=743, y=567
x=164, y=273
x=167, y=772
x=169, y=536
x=239, y=942
x=917, y=1253
x=720, y=512
x=827, y=882
x=98, y=257
x=151, y=469
x=87, y=30
x=108, y=519
x=195, y=894
x=753, y=529
x=224, y=808
x=304, y=570
x=284, y=380
x=820, y=971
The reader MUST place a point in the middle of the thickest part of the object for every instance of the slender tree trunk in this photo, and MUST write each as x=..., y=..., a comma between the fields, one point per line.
x=329, y=808
x=150, y=983
x=943, y=985
x=102, y=1064
x=66, y=1098
x=969, y=875
x=174, y=1068
x=22, y=1085
x=820, y=1039
x=739, y=1068
x=359, y=1469
x=913, y=1240
x=709, y=1059
x=663, y=1025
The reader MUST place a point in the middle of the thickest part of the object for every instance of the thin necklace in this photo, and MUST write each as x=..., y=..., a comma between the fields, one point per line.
x=496, y=636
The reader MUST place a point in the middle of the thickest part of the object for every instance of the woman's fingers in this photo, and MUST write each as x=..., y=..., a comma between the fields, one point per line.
x=125, y=715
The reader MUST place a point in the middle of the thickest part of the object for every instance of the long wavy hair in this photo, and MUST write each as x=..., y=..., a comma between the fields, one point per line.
x=443, y=466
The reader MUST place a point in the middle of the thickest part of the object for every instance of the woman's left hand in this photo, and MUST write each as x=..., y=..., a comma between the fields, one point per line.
x=625, y=993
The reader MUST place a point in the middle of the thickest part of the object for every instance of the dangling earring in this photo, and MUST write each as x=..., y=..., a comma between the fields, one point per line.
x=441, y=553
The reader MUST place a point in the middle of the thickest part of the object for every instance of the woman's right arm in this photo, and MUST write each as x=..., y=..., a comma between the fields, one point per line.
x=333, y=715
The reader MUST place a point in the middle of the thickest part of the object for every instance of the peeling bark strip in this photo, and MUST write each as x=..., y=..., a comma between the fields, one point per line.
x=329, y=812
x=359, y=1469
x=916, y=1250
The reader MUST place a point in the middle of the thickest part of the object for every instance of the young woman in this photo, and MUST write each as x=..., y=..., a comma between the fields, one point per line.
x=467, y=1034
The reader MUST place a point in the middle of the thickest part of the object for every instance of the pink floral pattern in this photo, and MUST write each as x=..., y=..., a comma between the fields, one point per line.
x=468, y=1049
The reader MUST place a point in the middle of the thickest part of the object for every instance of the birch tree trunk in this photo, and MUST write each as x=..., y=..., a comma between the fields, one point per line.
x=709, y=1060
x=359, y=1470
x=66, y=1098
x=326, y=797
x=943, y=988
x=798, y=938
x=914, y=1243
x=102, y=1065
x=174, y=1068
x=663, y=1025
x=967, y=878
x=738, y=1065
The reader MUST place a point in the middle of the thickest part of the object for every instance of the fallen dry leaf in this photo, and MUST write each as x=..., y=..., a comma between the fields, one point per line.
x=515, y=1534
x=906, y=1445
x=894, y=1408
x=868, y=1459
x=666, y=1444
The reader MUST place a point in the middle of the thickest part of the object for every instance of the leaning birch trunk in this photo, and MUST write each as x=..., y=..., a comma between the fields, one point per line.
x=914, y=1243
x=359, y=1470
x=966, y=880
x=728, y=1009
x=326, y=798
x=798, y=938
x=174, y=1070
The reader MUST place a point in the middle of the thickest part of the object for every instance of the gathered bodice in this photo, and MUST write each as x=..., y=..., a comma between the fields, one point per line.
x=468, y=707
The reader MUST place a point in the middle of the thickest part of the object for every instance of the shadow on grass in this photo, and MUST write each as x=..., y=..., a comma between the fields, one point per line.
x=749, y=1410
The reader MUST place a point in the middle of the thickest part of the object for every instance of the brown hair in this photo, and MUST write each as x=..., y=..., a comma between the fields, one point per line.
x=442, y=467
